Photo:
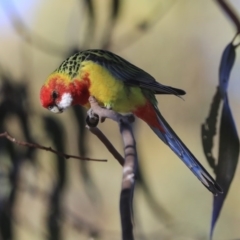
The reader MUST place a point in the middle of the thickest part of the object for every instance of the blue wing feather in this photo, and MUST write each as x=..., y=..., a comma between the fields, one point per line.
x=175, y=143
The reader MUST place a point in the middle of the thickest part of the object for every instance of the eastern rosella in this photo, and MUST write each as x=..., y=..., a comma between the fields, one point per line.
x=119, y=85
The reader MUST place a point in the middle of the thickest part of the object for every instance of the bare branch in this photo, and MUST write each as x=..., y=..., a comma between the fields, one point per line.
x=35, y=145
x=97, y=132
x=97, y=112
x=230, y=12
x=130, y=163
x=128, y=180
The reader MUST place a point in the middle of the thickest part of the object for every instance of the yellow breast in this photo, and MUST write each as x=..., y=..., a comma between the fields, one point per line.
x=110, y=91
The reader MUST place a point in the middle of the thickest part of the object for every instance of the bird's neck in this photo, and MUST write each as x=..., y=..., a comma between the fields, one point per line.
x=80, y=90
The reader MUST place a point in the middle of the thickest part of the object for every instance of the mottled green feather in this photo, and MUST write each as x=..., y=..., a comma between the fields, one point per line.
x=121, y=70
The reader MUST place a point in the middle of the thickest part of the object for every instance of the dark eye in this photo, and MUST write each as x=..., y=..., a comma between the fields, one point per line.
x=50, y=107
x=54, y=94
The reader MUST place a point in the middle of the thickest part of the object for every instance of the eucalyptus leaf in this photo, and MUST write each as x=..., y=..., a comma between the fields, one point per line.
x=227, y=159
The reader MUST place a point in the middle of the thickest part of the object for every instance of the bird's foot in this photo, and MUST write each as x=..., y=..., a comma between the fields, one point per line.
x=99, y=113
x=108, y=107
x=92, y=119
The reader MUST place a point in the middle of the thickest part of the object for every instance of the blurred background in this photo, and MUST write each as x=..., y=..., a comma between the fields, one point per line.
x=43, y=196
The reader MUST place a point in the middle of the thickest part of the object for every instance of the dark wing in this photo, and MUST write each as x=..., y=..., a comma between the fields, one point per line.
x=127, y=72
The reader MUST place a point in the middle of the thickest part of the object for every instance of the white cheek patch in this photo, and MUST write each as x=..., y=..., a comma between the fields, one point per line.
x=66, y=101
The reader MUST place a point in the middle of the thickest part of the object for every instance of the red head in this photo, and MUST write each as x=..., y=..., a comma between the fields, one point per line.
x=60, y=92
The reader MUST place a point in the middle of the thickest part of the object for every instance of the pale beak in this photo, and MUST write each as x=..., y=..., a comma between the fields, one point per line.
x=55, y=109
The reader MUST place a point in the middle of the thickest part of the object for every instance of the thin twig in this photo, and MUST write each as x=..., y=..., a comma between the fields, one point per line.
x=229, y=11
x=97, y=132
x=35, y=145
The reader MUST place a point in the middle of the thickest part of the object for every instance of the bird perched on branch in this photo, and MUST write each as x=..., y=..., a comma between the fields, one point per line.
x=118, y=85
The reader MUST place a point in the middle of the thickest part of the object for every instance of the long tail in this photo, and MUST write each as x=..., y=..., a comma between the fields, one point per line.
x=159, y=125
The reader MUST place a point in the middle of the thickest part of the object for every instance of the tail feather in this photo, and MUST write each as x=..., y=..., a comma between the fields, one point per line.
x=167, y=135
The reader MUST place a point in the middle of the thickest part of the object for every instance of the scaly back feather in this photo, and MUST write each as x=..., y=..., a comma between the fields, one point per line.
x=120, y=68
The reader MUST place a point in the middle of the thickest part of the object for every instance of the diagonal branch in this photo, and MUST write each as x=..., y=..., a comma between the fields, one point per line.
x=97, y=132
x=35, y=145
x=230, y=12
x=97, y=113
x=130, y=163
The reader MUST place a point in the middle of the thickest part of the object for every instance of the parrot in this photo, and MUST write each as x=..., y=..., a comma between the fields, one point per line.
x=118, y=85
